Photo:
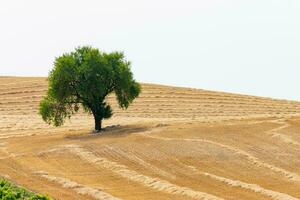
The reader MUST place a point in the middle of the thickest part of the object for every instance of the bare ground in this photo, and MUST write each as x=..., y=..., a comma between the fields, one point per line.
x=173, y=143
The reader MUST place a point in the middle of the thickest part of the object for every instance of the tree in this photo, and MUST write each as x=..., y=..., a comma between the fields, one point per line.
x=85, y=77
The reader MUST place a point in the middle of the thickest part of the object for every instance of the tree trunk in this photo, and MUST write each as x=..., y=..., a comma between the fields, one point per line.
x=98, y=123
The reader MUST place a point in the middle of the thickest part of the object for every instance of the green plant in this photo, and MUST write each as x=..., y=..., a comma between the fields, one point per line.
x=9, y=191
x=85, y=77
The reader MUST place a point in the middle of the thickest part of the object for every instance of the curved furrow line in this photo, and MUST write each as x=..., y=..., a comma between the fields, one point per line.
x=78, y=188
x=256, y=161
x=253, y=187
x=7, y=154
x=134, y=158
x=22, y=92
x=284, y=138
x=22, y=87
x=125, y=172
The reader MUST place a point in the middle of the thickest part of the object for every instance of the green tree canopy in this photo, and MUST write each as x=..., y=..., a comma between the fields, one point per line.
x=85, y=77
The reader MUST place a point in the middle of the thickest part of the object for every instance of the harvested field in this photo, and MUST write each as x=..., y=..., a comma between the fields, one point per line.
x=172, y=143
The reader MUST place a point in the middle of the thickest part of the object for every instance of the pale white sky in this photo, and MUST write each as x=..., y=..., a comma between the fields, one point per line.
x=250, y=47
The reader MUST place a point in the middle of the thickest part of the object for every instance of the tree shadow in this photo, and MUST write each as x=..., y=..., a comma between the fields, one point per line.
x=110, y=132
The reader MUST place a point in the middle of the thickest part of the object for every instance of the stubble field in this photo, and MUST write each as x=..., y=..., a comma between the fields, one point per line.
x=172, y=143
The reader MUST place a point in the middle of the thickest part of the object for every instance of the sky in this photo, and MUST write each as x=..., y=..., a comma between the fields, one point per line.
x=248, y=47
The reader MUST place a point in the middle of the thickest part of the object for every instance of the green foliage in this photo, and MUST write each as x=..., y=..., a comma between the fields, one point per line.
x=85, y=77
x=12, y=192
x=54, y=111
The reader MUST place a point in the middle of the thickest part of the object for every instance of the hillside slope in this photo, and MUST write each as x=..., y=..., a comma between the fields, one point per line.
x=22, y=95
x=172, y=143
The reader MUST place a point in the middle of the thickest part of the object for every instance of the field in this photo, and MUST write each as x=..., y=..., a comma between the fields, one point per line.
x=172, y=143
